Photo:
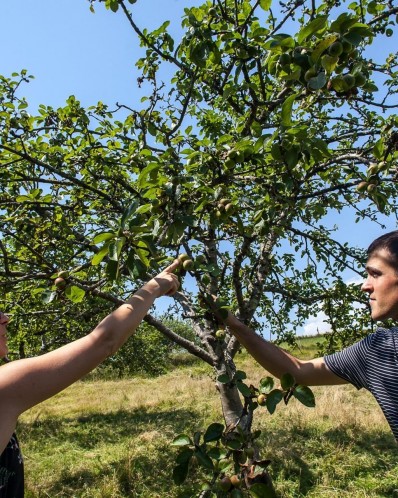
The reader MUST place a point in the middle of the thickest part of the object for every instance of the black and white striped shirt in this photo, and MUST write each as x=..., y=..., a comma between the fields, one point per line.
x=372, y=363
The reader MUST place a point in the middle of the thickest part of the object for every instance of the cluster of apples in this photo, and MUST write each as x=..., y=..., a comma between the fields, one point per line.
x=225, y=206
x=372, y=181
x=343, y=51
x=232, y=484
x=186, y=262
x=339, y=56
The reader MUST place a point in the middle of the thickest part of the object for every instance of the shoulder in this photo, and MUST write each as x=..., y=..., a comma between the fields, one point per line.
x=384, y=334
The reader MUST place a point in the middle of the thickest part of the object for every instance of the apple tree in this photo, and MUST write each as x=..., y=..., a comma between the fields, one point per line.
x=263, y=123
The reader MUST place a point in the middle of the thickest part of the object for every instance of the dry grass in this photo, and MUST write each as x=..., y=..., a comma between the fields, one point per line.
x=112, y=439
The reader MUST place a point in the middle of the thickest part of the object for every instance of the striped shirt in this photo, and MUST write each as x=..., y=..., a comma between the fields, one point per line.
x=372, y=363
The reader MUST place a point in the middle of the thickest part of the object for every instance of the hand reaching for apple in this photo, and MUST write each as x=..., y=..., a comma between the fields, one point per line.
x=166, y=281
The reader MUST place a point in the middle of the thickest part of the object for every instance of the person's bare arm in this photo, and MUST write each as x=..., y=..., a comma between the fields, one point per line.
x=25, y=383
x=278, y=362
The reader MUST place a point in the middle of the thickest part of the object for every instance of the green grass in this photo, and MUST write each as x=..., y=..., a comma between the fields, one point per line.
x=112, y=438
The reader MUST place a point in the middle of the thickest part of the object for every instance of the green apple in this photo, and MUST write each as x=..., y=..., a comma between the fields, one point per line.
x=261, y=399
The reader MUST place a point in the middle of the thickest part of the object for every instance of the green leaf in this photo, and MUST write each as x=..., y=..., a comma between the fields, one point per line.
x=243, y=389
x=233, y=444
x=378, y=149
x=112, y=269
x=112, y=4
x=304, y=395
x=259, y=490
x=273, y=398
x=74, y=293
x=100, y=255
x=318, y=81
x=287, y=381
x=204, y=459
x=266, y=385
x=128, y=212
x=115, y=248
x=287, y=106
x=180, y=473
x=181, y=440
x=342, y=23
x=103, y=236
x=184, y=456
x=213, y=432
x=48, y=296
x=265, y=4
x=360, y=29
x=217, y=453
x=239, y=375
x=143, y=252
x=322, y=46
x=223, y=379
x=312, y=27
x=135, y=267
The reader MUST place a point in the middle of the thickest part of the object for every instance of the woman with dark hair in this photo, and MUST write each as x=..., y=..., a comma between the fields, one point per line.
x=371, y=363
x=25, y=383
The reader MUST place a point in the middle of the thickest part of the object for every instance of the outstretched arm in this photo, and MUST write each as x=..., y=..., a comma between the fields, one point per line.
x=278, y=362
x=25, y=383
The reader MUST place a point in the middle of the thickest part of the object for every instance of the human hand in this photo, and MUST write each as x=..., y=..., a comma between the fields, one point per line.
x=166, y=282
x=4, y=319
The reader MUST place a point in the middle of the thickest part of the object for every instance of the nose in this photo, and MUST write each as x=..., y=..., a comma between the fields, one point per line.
x=366, y=286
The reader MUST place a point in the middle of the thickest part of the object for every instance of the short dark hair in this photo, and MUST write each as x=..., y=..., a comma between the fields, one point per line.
x=388, y=241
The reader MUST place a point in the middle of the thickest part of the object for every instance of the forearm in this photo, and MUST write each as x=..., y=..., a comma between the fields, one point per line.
x=278, y=362
x=116, y=328
x=27, y=382
x=274, y=359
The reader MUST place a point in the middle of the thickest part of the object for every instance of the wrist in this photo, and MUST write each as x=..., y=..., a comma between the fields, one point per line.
x=153, y=287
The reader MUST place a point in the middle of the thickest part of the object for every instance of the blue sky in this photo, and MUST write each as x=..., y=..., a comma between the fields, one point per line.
x=70, y=50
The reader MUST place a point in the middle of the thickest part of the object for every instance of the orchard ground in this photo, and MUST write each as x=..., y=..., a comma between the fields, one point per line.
x=111, y=438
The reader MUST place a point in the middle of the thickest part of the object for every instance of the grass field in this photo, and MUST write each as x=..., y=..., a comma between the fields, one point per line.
x=112, y=438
